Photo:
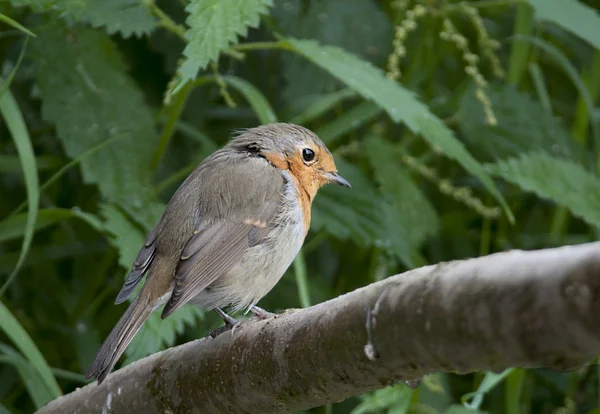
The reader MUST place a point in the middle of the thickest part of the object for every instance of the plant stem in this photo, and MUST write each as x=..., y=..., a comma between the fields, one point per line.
x=520, y=50
x=260, y=46
x=168, y=23
x=301, y=280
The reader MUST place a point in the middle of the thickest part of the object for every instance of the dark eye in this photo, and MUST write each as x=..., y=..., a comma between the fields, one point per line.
x=308, y=155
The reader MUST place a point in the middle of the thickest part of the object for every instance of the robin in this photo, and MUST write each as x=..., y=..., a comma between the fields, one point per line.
x=229, y=232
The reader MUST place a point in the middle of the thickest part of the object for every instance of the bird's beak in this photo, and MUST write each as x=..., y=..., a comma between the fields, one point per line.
x=337, y=179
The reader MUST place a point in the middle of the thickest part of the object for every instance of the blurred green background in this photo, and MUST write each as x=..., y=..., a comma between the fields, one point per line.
x=465, y=128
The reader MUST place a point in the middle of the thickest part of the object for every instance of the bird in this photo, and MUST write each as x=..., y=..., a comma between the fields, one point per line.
x=229, y=232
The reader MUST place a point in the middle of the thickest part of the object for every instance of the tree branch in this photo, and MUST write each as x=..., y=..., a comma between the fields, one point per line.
x=526, y=309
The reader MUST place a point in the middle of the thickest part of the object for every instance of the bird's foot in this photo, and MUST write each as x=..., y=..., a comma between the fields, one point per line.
x=260, y=313
x=230, y=324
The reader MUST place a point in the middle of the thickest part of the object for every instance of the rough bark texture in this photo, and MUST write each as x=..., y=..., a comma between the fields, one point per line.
x=525, y=309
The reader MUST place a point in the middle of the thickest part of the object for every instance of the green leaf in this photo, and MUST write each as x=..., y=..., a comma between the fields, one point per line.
x=213, y=26
x=566, y=183
x=360, y=114
x=572, y=15
x=15, y=226
x=411, y=217
x=399, y=103
x=36, y=387
x=255, y=98
x=126, y=17
x=6, y=84
x=13, y=329
x=16, y=25
x=349, y=214
x=156, y=334
x=91, y=99
x=523, y=125
x=395, y=400
x=18, y=130
x=322, y=105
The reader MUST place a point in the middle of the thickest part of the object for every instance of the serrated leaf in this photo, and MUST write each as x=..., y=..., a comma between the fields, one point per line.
x=155, y=334
x=349, y=214
x=399, y=103
x=126, y=17
x=88, y=95
x=523, y=125
x=566, y=183
x=411, y=218
x=213, y=26
x=572, y=15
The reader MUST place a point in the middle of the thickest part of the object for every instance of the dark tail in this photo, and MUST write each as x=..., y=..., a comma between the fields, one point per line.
x=119, y=338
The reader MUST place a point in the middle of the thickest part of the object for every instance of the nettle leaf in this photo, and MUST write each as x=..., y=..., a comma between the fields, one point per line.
x=213, y=26
x=156, y=334
x=126, y=17
x=329, y=21
x=411, y=218
x=349, y=213
x=88, y=95
x=399, y=103
x=566, y=183
x=523, y=125
x=572, y=15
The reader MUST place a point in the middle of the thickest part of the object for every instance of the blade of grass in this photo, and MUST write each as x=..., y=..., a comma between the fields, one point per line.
x=31, y=379
x=540, y=86
x=322, y=106
x=13, y=72
x=514, y=391
x=14, y=226
x=561, y=60
x=255, y=98
x=16, y=25
x=358, y=115
x=520, y=51
x=174, y=111
x=67, y=166
x=591, y=78
x=16, y=126
x=13, y=329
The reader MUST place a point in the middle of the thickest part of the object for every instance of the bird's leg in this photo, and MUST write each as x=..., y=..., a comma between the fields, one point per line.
x=230, y=324
x=261, y=313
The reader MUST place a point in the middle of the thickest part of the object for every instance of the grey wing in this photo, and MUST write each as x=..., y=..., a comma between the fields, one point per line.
x=215, y=247
x=140, y=266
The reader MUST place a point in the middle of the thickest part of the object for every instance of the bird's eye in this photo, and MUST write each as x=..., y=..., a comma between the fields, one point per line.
x=308, y=155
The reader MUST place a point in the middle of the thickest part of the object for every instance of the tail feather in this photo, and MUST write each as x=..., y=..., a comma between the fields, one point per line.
x=121, y=335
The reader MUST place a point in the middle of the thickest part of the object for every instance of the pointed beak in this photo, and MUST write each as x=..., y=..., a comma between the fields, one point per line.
x=337, y=179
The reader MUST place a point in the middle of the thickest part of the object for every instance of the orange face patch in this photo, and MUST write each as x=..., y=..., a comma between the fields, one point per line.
x=277, y=160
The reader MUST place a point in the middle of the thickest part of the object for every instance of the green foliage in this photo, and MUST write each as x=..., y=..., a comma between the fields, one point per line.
x=33, y=364
x=16, y=125
x=410, y=218
x=398, y=102
x=523, y=125
x=562, y=181
x=571, y=15
x=127, y=17
x=88, y=83
x=214, y=26
x=88, y=96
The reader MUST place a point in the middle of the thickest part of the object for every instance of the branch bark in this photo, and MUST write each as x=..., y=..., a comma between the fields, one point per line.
x=525, y=309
